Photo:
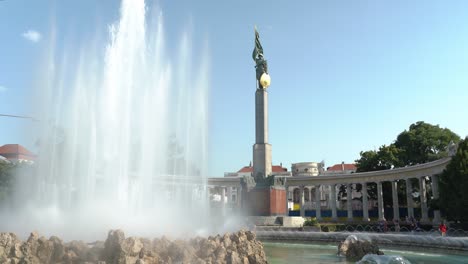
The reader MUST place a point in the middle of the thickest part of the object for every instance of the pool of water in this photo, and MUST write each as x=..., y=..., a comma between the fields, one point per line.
x=278, y=252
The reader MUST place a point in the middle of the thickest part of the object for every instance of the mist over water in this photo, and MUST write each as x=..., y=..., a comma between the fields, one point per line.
x=122, y=137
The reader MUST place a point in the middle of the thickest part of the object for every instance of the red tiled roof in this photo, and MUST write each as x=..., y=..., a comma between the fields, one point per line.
x=339, y=167
x=15, y=149
x=274, y=168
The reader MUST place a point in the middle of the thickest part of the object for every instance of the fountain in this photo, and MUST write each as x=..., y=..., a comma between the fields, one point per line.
x=123, y=137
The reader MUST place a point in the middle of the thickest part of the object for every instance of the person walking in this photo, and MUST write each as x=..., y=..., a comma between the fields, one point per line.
x=443, y=229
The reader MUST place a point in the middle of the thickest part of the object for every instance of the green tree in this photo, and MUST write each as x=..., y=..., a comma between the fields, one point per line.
x=385, y=158
x=6, y=180
x=423, y=143
x=454, y=185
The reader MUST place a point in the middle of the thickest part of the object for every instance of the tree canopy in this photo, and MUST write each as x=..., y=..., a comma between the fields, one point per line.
x=6, y=178
x=454, y=185
x=422, y=143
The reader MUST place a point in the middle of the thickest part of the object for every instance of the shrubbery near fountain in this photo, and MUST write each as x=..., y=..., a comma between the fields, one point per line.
x=239, y=247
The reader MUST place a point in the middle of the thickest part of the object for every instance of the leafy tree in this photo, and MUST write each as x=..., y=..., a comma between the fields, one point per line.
x=454, y=185
x=6, y=180
x=423, y=143
x=368, y=161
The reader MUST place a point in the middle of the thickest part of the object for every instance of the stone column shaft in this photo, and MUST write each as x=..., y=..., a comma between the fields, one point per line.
x=223, y=194
x=409, y=198
x=423, y=199
x=396, y=206
x=380, y=201
x=301, y=200
x=333, y=201
x=261, y=116
x=318, y=211
x=435, y=195
x=229, y=195
x=239, y=196
x=349, y=202
x=365, y=203
x=261, y=148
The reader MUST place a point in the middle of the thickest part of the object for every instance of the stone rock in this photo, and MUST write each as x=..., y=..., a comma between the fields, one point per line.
x=59, y=249
x=70, y=257
x=233, y=258
x=112, y=247
x=15, y=251
x=235, y=248
x=354, y=248
x=132, y=246
x=7, y=242
x=95, y=253
x=45, y=250
x=80, y=249
x=206, y=249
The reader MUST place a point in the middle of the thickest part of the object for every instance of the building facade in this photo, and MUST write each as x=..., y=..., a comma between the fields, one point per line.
x=16, y=153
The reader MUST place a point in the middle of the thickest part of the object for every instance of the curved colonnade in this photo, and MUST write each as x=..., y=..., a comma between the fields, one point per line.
x=419, y=172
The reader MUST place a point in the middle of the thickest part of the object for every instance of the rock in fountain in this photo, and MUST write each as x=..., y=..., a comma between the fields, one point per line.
x=354, y=248
x=235, y=248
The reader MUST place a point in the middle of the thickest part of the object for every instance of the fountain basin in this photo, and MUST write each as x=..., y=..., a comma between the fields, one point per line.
x=278, y=252
x=407, y=241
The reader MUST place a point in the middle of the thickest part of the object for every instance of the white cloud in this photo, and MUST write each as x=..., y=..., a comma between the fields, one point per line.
x=32, y=35
x=3, y=89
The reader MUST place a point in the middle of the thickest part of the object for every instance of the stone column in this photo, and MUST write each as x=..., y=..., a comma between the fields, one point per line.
x=333, y=201
x=409, y=198
x=380, y=201
x=396, y=206
x=223, y=204
x=349, y=202
x=261, y=148
x=365, y=203
x=287, y=199
x=310, y=194
x=318, y=211
x=223, y=194
x=229, y=195
x=239, y=196
x=301, y=200
x=435, y=196
x=423, y=199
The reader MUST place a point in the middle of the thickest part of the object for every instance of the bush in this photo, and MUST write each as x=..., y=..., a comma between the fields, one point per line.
x=329, y=228
x=311, y=222
x=333, y=227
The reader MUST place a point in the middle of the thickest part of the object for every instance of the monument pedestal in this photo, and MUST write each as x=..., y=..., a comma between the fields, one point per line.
x=269, y=201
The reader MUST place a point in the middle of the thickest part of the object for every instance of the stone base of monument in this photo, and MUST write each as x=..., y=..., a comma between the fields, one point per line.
x=267, y=201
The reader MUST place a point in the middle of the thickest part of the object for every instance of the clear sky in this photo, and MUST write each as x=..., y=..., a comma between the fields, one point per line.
x=346, y=75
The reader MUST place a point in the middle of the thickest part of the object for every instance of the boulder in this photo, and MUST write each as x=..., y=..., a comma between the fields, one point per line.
x=236, y=248
x=59, y=249
x=355, y=248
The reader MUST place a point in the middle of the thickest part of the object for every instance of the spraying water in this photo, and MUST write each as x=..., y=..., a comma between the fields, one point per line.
x=122, y=145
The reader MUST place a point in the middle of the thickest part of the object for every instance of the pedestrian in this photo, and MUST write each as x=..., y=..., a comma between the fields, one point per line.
x=396, y=222
x=443, y=229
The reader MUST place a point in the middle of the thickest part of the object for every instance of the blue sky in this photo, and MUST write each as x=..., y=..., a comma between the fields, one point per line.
x=346, y=75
